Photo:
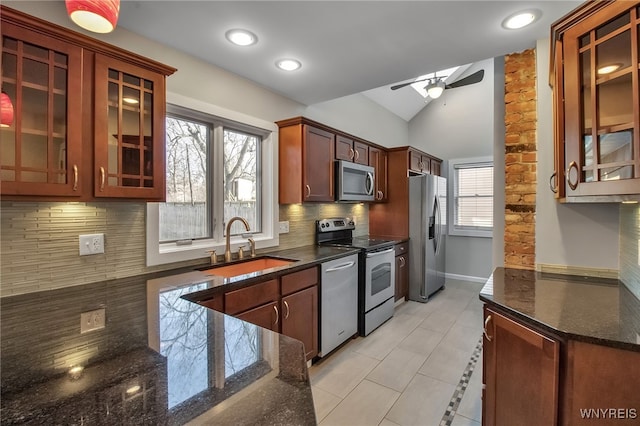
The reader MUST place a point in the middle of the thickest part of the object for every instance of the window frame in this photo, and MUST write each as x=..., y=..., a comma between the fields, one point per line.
x=458, y=230
x=165, y=253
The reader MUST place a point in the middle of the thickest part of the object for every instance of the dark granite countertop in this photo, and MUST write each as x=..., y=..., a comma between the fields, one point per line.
x=595, y=310
x=160, y=360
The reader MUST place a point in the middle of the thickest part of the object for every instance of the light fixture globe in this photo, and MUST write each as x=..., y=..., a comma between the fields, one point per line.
x=6, y=110
x=98, y=16
x=435, y=88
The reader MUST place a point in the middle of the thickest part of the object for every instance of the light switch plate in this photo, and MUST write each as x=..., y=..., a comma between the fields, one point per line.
x=91, y=244
x=284, y=227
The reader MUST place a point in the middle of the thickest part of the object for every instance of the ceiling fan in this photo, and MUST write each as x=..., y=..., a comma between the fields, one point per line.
x=436, y=84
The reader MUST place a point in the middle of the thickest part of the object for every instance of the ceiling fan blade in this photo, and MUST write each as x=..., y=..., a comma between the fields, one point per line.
x=476, y=77
x=401, y=85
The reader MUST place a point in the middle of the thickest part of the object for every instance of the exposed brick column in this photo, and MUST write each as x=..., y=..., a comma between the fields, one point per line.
x=520, y=160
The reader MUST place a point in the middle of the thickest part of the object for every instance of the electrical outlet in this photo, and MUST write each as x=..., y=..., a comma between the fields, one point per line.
x=284, y=227
x=91, y=244
x=92, y=320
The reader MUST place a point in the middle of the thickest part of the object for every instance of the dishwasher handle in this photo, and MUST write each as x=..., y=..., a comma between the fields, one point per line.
x=340, y=267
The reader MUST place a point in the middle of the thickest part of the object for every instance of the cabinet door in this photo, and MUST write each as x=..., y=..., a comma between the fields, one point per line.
x=40, y=152
x=435, y=167
x=300, y=318
x=317, y=159
x=415, y=161
x=602, y=103
x=129, y=131
x=344, y=149
x=266, y=316
x=520, y=374
x=379, y=160
x=361, y=153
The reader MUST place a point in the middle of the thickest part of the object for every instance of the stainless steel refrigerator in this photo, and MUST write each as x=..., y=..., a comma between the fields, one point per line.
x=427, y=233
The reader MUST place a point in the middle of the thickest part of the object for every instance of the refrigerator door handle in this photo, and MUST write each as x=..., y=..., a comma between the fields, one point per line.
x=438, y=238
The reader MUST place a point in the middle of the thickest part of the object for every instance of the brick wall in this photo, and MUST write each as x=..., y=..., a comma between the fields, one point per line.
x=520, y=160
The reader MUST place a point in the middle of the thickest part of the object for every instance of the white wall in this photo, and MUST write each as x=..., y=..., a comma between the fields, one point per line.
x=580, y=235
x=460, y=124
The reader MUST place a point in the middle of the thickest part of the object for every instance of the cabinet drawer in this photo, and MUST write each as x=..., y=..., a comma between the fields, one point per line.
x=299, y=280
x=402, y=248
x=250, y=297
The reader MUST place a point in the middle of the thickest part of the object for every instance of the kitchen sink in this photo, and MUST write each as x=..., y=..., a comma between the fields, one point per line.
x=248, y=266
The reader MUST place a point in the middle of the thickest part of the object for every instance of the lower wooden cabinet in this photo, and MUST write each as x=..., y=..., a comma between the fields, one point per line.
x=300, y=318
x=520, y=374
x=402, y=271
x=265, y=316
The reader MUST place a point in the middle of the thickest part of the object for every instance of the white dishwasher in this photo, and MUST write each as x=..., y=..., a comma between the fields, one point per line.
x=339, y=302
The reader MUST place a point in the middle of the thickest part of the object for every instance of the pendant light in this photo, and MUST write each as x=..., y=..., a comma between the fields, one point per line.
x=435, y=88
x=6, y=110
x=99, y=16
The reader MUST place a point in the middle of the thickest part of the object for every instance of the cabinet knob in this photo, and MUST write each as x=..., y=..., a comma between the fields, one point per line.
x=484, y=330
x=573, y=185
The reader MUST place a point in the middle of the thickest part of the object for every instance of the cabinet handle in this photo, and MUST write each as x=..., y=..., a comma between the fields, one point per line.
x=357, y=155
x=484, y=331
x=75, y=177
x=551, y=184
x=275, y=308
x=380, y=195
x=402, y=262
x=102, y=179
x=573, y=165
x=308, y=191
x=352, y=153
x=286, y=305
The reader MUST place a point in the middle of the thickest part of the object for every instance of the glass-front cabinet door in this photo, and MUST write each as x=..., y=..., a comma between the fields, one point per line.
x=40, y=146
x=602, y=104
x=129, y=131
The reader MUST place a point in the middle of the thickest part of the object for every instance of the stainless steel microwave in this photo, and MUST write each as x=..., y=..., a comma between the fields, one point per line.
x=354, y=182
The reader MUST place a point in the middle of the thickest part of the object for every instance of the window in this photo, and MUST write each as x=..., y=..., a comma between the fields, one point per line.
x=471, y=187
x=216, y=168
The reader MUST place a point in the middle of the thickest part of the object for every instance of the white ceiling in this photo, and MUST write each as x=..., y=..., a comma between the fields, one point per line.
x=345, y=47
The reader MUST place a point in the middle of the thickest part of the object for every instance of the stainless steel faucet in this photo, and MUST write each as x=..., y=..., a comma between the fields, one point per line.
x=227, y=251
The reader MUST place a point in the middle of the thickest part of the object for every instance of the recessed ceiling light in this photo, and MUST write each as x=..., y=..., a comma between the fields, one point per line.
x=288, y=64
x=241, y=37
x=521, y=19
x=131, y=101
x=608, y=69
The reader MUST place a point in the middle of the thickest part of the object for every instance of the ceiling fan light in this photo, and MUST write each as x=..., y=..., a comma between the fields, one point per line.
x=6, y=110
x=435, y=89
x=98, y=16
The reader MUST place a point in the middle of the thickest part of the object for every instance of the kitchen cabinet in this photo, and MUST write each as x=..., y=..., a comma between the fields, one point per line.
x=351, y=150
x=418, y=162
x=287, y=304
x=520, y=373
x=379, y=160
x=391, y=219
x=596, y=103
x=402, y=271
x=306, y=158
x=89, y=117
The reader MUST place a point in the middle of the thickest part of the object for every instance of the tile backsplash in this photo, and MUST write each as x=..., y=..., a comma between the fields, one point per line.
x=629, y=247
x=39, y=241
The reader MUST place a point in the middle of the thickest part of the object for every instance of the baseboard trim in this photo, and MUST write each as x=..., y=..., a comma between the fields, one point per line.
x=465, y=278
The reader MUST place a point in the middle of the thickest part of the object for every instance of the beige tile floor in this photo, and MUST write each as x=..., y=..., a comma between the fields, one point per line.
x=406, y=371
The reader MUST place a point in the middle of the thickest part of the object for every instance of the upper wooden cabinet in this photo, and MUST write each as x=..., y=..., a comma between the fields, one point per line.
x=595, y=78
x=306, y=156
x=379, y=160
x=89, y=117
x=351, y=150
x=419, y=162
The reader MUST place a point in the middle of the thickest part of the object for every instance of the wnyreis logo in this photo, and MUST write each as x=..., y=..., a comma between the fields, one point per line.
x=608, y=413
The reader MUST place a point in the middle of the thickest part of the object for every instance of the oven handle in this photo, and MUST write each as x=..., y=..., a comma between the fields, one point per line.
x=340, y=267
x=379, y=253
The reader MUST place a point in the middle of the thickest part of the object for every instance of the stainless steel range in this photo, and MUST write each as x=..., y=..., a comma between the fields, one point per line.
x=376, y=272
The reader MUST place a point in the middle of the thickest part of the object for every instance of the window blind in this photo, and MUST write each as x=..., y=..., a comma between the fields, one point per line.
x=473, y=196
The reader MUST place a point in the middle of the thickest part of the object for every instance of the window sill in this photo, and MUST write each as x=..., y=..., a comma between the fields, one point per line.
x=479, y=233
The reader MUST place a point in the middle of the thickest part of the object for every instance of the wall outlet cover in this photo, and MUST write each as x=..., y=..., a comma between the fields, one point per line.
x=283, y=227
x=91, y=244
x=92, y=320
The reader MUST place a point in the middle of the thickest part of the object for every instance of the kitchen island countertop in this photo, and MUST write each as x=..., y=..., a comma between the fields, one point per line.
x=593, y=310
x=160, y=359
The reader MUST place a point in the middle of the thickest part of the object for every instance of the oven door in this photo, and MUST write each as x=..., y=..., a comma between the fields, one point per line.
x=379, y=277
